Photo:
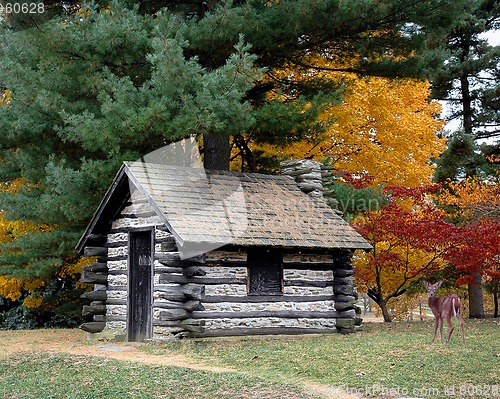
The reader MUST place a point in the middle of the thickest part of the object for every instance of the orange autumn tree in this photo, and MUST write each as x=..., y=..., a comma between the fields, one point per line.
x=474, y=198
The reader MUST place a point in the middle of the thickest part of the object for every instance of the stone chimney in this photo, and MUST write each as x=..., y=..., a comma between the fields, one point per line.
x=310, y=176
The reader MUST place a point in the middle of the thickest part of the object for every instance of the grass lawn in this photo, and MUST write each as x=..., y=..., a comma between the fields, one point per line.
x=31, y=375
x=384, y=361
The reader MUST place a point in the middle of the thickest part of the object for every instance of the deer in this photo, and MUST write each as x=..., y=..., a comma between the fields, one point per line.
x=444, y=307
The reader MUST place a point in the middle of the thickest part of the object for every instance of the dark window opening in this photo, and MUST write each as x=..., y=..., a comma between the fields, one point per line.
x=265, y=272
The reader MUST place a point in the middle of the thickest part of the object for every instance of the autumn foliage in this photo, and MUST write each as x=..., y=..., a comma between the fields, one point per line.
x=28, y=289
x=426, y=230
x=479, y=251
x=474, y=204
x=410, y=237
x=474, y=198
x=385, y=128
x=14, y=287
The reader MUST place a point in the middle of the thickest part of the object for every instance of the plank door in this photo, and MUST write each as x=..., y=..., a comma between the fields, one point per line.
x=140, y=286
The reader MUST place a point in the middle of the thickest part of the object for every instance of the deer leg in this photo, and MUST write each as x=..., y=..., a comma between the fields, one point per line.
x=441, y=328
x=461, y=321
x=450, y=327
x=436, y=325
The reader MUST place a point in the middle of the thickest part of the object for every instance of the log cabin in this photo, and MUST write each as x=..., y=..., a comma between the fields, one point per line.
x=187, y=252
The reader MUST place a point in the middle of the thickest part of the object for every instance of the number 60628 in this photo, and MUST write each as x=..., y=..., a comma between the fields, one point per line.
x=22, y=8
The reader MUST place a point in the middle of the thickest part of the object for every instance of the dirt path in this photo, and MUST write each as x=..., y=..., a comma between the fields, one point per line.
x=75, y=342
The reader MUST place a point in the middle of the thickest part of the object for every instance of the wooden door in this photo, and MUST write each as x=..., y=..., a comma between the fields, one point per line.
x=140, y=286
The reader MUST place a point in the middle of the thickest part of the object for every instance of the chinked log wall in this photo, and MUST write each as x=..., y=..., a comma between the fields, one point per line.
x=316, y=298
x=207, y=296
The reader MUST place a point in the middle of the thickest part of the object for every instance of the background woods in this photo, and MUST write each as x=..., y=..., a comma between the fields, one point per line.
x=344, y=82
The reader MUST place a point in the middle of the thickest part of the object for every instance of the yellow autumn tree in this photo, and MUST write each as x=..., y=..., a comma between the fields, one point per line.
x=383, y=127
x=13, y=287
x=388, y=129
x=4, y=97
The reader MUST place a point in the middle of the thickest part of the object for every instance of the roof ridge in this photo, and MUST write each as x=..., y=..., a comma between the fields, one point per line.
x=285, y=178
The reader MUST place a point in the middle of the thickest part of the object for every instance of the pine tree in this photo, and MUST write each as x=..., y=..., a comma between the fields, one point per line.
x=468, y=81
x=85, y=93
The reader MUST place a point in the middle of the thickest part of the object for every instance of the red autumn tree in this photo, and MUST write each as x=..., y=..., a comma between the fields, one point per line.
x=474, y=203
x=479, y=254
x=410, y=237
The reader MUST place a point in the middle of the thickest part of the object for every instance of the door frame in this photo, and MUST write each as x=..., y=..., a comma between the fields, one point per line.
x=149, y=327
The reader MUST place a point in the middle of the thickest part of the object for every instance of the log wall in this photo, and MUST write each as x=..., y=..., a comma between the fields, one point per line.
x=229, y=311
x=207, y=296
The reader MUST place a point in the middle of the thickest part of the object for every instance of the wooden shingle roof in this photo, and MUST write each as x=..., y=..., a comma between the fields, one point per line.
x=215, y=208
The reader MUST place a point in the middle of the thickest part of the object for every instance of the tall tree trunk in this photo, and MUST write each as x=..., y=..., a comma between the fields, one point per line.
x=476, y=308
x=217, y=151
x=466, y=104
x=385, y=312
x=467, y=112
x=494, y=289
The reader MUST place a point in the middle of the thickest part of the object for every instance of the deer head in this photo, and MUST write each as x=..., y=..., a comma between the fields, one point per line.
x=432, y=288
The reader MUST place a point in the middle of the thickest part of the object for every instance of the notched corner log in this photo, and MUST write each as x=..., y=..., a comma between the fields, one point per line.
x=193, y=305
x=341, y=306
x=193, y=325
x=93, y=326
x=343, y=289
x=168, y=246
x=99, y=295
x=96, y=267
x=345, y=325
x=97, y=238
x=183, y=293
x=173, y=259
x=95, y=251
x=193, y=291
x=338, y=272
x=94, y=278
x=344, y=298
x=93, y=310
x=173, y=314
x=193, y=271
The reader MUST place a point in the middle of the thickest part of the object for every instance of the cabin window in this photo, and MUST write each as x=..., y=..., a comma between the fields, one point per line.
x=265, y=272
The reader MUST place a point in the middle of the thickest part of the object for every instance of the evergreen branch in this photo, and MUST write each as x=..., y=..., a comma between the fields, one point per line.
x=329, y=69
